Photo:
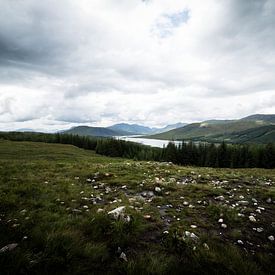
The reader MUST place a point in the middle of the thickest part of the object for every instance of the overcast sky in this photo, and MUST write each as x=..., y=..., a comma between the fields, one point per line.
x=152, y=62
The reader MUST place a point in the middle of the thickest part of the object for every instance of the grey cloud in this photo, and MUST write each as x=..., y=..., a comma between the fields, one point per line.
x=94, y=55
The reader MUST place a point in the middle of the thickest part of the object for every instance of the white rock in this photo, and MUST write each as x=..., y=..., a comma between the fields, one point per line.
x=240, y=242
x=220, y=198
x=187, y=233
x=205, y=245
x=126, y=218
x=193, y=226
x=157, y=189
x=116, y=213
x=260, y=229
x=8, y=247
x=123, y=256
x=271, y=238
x=252, y=219
x=223, y=225
x=193, y=236
x=220, y=221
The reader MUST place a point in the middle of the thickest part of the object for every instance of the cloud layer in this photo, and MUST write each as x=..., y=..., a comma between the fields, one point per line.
x=154, y=62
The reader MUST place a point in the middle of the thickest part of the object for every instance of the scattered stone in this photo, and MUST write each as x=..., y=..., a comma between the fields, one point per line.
x=8, y=247
x=193, y=226
x=269, y=200
x=116, y=213
x=100, y=210
x=157, y=189
x=252, y=219
x=220, y=221
x=165, y=232
x=185, y=203
x=271, y=238
x=205, y=245
x=147, y=217
x=220, y=198
x=240, y=242
x=187, y=233
x=126, y=218
x=254, y=200
x=259, y=229
x=194, y=236
x=123, y=256
x=223, y=225
x=241, y=197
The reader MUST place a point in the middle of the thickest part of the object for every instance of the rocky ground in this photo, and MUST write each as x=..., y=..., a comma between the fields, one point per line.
x=61, y=206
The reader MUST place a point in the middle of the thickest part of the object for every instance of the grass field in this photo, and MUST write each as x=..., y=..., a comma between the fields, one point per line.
x=55, y=201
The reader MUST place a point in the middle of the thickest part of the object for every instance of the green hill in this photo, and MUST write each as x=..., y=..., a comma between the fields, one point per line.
x=95, y=131
x=261, y=117
x=238, y=131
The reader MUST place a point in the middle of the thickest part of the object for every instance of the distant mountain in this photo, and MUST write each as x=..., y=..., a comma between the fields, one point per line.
x=136, y=129
x=250, y=129
x=133, y=129
x=95, y=131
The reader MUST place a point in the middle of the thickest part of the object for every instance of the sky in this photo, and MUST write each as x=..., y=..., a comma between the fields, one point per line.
x=152, y=62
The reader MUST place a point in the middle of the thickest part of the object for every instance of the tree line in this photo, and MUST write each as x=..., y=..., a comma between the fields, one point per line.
x=187, y=153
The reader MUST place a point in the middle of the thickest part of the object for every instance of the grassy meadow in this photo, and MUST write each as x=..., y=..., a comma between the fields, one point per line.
x=54, y=215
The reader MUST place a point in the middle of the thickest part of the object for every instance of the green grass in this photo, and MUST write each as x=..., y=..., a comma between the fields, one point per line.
x=51, y=193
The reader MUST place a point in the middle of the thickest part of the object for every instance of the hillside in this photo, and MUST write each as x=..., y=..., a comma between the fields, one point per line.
x=216, y=131
x=74, y=212
x=95, y=131
x=263, y=134
x=261, y=117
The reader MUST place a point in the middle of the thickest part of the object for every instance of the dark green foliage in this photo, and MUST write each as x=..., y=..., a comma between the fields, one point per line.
x=188, y=153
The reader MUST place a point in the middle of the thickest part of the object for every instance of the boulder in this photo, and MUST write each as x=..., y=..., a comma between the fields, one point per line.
x=117, y=212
